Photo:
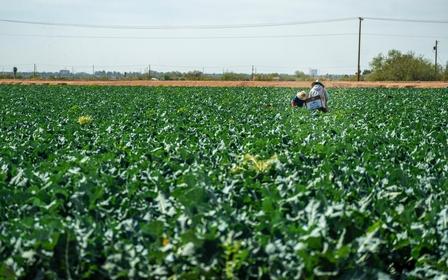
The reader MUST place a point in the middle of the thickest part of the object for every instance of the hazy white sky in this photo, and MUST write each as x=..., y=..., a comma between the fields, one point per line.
x=336, y=54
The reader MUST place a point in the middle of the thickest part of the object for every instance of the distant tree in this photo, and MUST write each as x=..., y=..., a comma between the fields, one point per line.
x=366, y=72
x=174, y=75
x=193, y=75
x=231, y=76
x=287, y=77
x=445, y=73
x=267, y=77
x=300, y=76
x=350, y=78
x=397, y=66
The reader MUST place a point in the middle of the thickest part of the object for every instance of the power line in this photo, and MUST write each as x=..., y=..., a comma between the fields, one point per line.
x=224, y=26
x=404, y=35
x=218, y=37
x=407, y=20
x=178, y=37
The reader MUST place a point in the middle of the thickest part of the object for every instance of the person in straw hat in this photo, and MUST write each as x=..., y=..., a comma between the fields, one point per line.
x=299, y=99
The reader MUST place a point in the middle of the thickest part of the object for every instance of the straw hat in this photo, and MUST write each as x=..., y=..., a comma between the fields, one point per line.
x=317, y=82
x=302, y=95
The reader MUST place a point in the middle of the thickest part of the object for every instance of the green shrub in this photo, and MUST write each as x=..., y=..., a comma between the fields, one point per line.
x=396, y=66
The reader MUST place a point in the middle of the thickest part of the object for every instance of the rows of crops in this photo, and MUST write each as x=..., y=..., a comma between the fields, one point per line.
x=183, y=183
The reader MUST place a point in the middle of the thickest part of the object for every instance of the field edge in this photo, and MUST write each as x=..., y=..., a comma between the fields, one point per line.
x=286, y=84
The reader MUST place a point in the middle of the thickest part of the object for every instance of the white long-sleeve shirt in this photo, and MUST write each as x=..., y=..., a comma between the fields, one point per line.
x=318, y=90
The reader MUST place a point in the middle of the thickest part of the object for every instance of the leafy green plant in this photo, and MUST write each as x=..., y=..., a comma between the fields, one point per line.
x=154, y=186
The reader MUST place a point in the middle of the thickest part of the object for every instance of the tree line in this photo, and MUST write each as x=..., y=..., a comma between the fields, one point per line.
x=393, y=66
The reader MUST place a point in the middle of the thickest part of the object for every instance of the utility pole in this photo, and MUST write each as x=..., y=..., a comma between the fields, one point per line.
x=34, y=71
x=93, y=70
x=435, y=49
x=359, y=50
x=253, y=75
x=149, y=71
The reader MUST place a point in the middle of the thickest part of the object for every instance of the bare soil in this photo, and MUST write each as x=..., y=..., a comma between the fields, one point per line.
x=298, y=84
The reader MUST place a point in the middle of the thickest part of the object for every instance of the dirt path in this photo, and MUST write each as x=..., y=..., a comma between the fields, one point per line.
x=329, y=84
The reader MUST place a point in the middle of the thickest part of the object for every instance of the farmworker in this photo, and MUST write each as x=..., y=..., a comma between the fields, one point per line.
x=299, y=99
x=317, y=97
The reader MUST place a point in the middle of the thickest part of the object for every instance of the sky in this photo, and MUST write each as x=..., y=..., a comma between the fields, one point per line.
x=329, y=54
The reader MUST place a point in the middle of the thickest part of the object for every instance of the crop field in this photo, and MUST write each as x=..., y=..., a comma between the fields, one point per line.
x=215, y=183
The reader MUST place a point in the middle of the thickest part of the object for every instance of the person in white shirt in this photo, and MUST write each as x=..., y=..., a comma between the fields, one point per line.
x=317, y=97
